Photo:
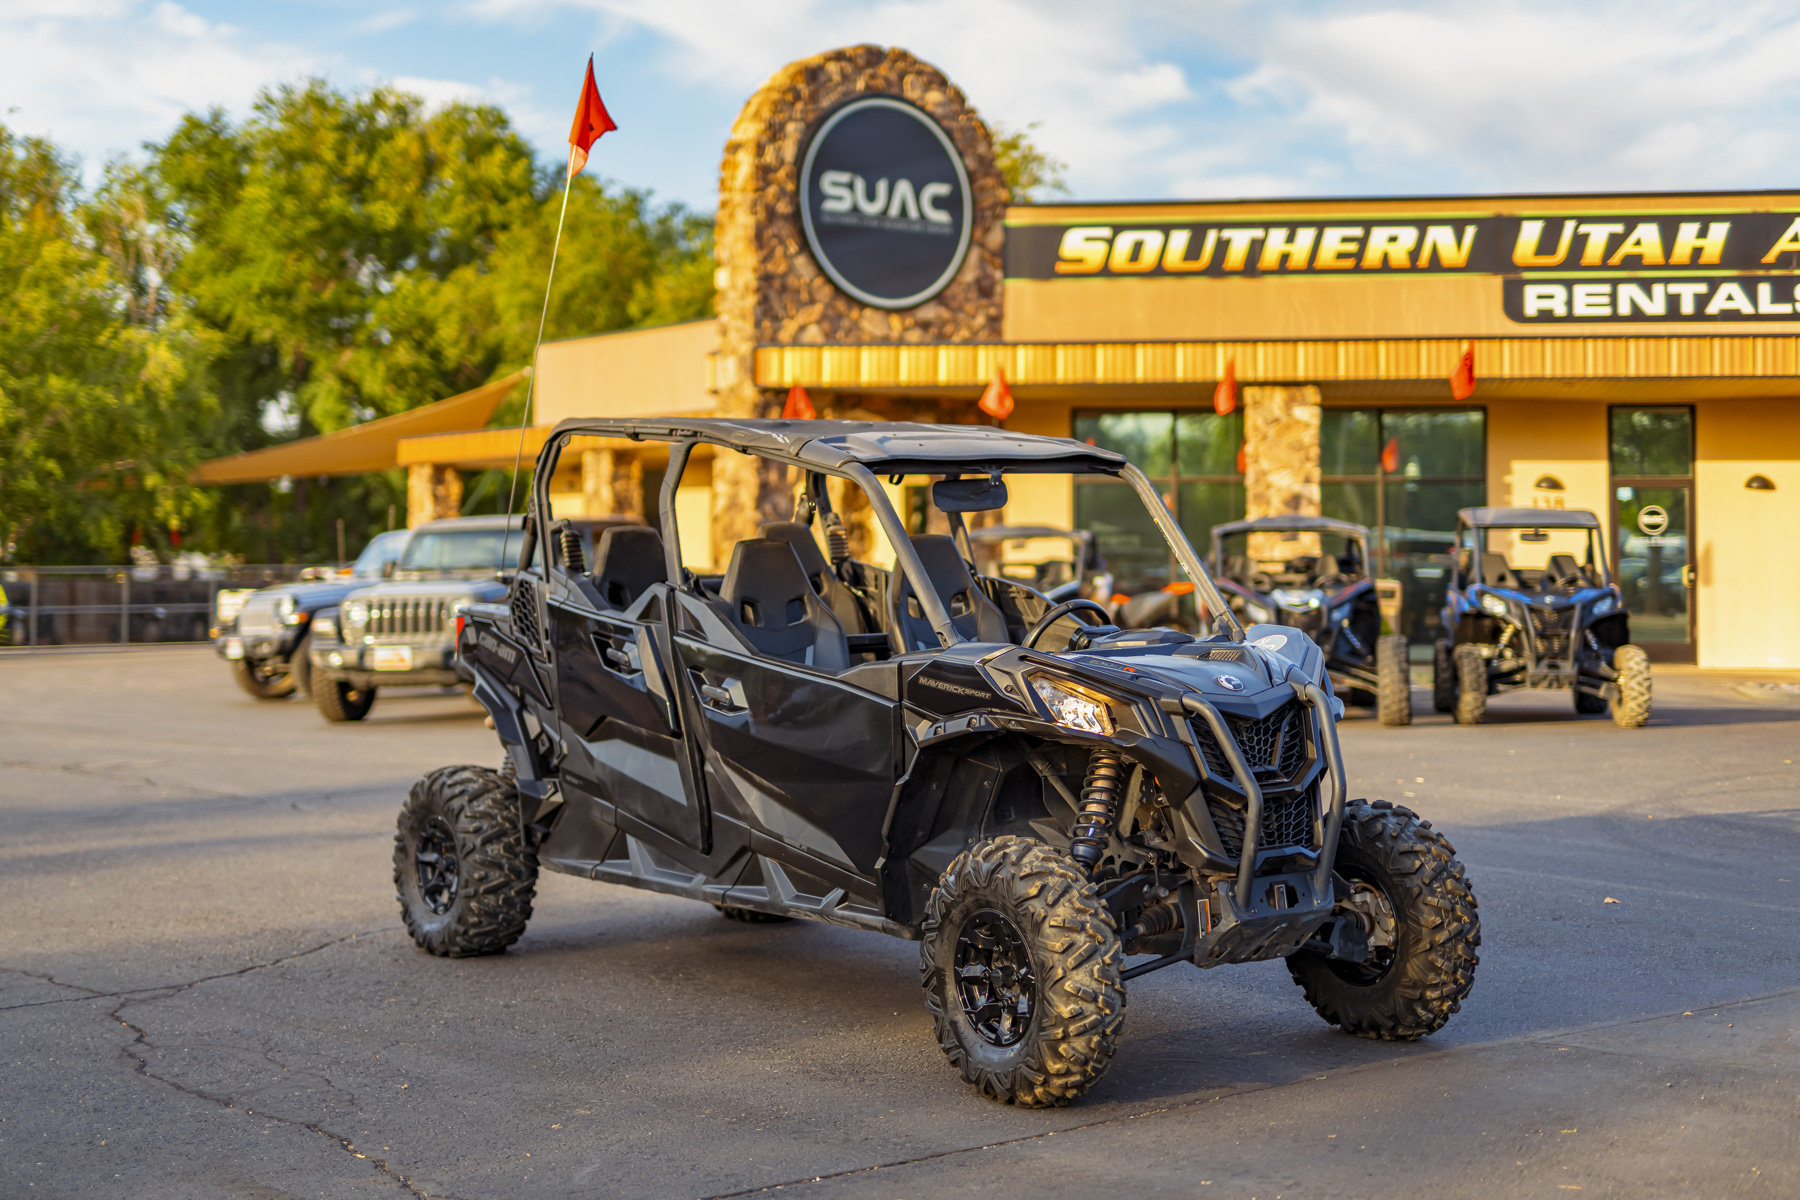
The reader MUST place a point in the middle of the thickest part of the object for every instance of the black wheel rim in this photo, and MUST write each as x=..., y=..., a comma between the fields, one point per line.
x=1381, y=957
x=435, y=861
x=994, y=980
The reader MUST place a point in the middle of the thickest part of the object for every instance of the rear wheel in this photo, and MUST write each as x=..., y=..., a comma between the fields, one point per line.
x=1443, y=678
x=262, y=682
x=1393, y=702
x=1418, y=914
x=1020, y=961
x=1632, y=708
x=339, y=701
x=462, y=869
x=1471, y=685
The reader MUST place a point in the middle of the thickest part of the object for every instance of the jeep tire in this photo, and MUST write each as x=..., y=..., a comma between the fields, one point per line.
x=339, y=701
x=1471, y=685
x=1393, y=702
x=1443, y=677
x=1020, y=961
x=464, y=875
x=260, y=682
x=300, y=666
x=1426, y=915
x=1631, y=708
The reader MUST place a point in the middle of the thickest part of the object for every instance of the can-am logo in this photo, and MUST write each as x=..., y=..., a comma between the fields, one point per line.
x=885, y=202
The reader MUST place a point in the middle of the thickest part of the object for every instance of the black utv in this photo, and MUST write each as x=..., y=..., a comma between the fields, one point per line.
x=1326, y=591
x=893, y=743
x=1531, y=604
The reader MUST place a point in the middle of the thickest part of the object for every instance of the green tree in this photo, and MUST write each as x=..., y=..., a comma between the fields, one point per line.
x=1029, y=172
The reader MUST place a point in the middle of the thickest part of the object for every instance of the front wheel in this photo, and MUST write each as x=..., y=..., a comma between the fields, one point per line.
x=262, y=682
x=1418, y=915
x=1471, y=685
x=1393, y=701
x=464, y=874
x=339, y=701
x=1631, y=710
x=1020, y=961
x=1443, y=677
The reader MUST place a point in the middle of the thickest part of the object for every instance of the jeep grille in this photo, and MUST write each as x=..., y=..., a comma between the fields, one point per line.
x=257, y=617
x=1552, y=628
x=405, y=617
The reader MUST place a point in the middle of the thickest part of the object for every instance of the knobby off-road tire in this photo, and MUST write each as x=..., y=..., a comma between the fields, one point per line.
x=1443, y=677
x=464, y=875
x=264, y=685
x=1411, y=989
x=1471, y=685
x=1632, y=709
x=338, y=701
x=1041, y=1034
x=1393, y=702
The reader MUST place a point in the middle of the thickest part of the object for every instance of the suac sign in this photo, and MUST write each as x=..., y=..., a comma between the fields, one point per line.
x=1612, y=267
x=885, y=203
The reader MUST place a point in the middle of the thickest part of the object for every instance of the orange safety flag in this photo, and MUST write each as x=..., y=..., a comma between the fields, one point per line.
x=997, y=401
x=799, y=406
x=1462, y=380
x=1225, y=395
x=591, y=121
x=1390, y=456
x=1243, y=459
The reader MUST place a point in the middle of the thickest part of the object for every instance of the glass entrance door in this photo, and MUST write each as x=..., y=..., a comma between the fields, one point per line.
x=1653, y=530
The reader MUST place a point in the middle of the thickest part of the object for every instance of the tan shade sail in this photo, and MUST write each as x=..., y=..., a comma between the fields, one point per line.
x=370, y=446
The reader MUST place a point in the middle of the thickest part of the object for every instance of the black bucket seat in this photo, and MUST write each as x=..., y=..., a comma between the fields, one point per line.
x=974, y=615
x=628, y=560
x=773, y=604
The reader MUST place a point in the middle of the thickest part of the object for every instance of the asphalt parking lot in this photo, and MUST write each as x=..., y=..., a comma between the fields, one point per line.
x=205, y=990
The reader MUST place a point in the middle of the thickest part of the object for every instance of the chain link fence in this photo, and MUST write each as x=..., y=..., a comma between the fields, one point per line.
x=120, y=605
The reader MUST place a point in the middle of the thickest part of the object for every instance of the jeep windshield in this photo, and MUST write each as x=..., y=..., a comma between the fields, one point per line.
x=462, y=551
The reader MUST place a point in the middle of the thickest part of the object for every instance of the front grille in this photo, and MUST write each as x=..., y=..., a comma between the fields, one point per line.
x=406, y=617
x=1286, y=821
x=1273, y=746
x=1552, y=627
x=257, y=617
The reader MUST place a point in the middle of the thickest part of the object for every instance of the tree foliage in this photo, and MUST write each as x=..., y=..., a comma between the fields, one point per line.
x=1029, y=172
x=330, y=259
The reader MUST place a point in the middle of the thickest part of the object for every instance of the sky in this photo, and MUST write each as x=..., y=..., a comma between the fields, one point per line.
x=1148, y=100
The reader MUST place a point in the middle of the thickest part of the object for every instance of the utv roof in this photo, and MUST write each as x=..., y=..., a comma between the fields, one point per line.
x=885, y=447
x=1528, y=518
x=1291, y=525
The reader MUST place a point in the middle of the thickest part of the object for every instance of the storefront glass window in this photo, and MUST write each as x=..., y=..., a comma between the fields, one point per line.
x=1404, y=473
x=1190, y=456
x=1652, y=441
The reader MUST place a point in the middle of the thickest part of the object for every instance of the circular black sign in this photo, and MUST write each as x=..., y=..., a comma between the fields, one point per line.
x=885, y=202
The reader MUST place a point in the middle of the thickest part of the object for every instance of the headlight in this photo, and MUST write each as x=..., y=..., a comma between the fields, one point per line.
x=324, y=627
x=455, y=614
x=1290, y=598
x=1493, y=604
x=284, y=609
x=1074, y=706
x=356, y=615
x=1604, y=605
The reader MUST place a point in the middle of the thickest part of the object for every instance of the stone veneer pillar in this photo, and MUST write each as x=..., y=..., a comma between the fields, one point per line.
x=1281, y=465
x=433, y=492
x=771, y=292
x=612, y=484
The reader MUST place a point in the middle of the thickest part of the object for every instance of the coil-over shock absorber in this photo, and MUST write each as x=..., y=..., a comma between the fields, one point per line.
x=837, y=542
x=1099, y=808
x=573, y=560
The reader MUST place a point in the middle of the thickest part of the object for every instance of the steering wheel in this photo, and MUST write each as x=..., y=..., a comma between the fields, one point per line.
x=1067, y=606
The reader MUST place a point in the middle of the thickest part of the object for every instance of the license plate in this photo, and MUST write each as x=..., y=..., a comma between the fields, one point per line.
x=393, y=658
x=234, y=648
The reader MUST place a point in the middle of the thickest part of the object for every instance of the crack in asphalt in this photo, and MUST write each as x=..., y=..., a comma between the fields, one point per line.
x=140, y=1039
x=1546, y=1040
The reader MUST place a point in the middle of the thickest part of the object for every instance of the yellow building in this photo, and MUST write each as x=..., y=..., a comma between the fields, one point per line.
x=1633, y=354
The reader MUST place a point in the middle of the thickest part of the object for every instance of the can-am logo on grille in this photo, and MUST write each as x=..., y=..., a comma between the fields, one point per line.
x=1230, y=683
x=885, y=202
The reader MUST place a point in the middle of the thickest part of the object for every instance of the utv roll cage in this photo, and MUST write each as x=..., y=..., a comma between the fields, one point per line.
x=853, y=451
x=1473, y=563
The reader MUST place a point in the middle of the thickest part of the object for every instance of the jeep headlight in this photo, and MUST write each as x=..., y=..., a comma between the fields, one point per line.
x=356, y=615
x=1073, y=706
x=1494, y=605
x=286, y=613
x=324, y=627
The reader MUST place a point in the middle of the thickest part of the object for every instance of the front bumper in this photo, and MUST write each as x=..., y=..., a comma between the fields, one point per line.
x=430, y=665
x=257, y=648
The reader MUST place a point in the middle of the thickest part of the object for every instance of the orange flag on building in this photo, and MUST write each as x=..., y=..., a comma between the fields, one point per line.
x=1462, y=380
x=997, y=401
x=1390, y=456
x=591, y=121
x=1225, y=395
x=799, y=406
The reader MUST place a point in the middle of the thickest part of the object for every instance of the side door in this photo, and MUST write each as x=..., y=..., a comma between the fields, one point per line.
x=799, y=756
x=620, y=715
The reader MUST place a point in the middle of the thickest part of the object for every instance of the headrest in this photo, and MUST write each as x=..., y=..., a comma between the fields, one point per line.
x=764, y=585
x=627, y=560
x=806, y=549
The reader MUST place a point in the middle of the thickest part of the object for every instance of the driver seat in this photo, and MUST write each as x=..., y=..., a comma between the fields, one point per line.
x=971, y=612
x=1495, y=572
